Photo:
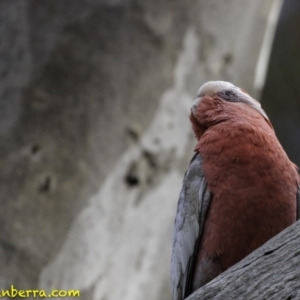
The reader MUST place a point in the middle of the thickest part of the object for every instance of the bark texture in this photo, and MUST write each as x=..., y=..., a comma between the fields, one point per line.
x=95, y=137
x=270, y=272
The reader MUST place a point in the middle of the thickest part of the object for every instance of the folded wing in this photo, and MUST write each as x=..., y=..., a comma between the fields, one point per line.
x=192, y=207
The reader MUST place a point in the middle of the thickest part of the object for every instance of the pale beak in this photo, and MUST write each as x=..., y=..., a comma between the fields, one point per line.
x=195, y=105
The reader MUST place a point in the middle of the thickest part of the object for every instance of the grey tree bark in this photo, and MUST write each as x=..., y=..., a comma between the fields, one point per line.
x=270, y=272
x=95, y=136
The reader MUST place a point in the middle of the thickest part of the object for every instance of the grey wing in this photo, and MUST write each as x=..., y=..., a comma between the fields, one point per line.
x=193, y=204
x=298, y=203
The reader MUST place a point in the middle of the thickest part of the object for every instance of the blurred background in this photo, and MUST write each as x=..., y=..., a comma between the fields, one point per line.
x=94, y=130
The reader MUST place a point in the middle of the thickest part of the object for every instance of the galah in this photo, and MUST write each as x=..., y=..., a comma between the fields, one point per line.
x=239, y=191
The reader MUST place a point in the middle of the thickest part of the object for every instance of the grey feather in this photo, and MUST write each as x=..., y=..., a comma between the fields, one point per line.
x=192, y=207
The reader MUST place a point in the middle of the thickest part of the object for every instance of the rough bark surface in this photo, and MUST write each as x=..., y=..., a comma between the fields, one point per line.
x=95, y=136
x=270, y=272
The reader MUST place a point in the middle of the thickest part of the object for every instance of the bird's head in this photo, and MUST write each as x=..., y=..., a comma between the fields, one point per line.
x=219, y=101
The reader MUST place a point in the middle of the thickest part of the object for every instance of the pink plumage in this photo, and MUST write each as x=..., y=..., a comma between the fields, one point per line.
x=251, y=183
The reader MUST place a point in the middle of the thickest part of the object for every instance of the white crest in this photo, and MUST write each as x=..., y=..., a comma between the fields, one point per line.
x=211, y=88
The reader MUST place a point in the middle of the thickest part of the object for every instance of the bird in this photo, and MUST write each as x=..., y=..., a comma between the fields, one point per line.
x=239, y=191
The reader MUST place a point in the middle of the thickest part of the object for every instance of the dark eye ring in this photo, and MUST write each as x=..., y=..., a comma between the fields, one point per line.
x=229, y=96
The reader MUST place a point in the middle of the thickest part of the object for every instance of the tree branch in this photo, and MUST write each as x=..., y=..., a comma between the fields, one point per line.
x=270, y=272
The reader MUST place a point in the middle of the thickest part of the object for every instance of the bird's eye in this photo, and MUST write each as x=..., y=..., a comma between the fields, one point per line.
x=229, y=96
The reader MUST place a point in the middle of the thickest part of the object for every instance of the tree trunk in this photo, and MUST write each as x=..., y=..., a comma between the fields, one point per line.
x=95, y=136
